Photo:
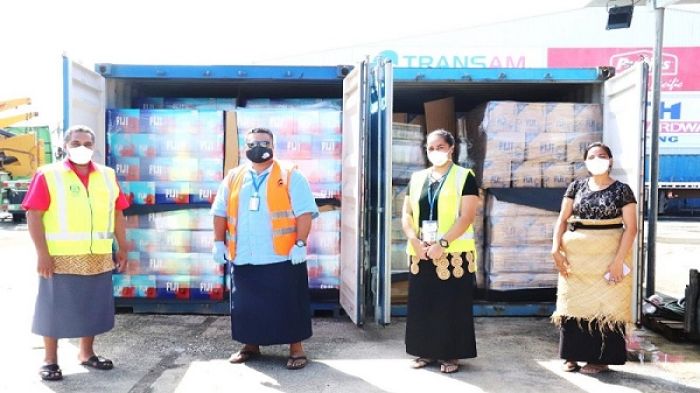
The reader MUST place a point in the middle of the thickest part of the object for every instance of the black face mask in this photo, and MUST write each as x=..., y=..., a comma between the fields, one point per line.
x=259, y=154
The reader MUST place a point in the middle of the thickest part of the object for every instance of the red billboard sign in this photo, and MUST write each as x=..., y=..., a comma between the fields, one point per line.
x=678, y=71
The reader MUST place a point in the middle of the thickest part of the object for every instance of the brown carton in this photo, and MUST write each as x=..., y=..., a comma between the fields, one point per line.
x=520, y=259
x=496, y=174
x=498, y=116
x=505, y=146
x=526, y=174
x=521, y=230
x=577, y=142
x=440, y=114
x=559, y=117
x=557, y=174
x=588, y=118
x=545, y=146
x=530, y=117
x=231, y=154
x=399, y=117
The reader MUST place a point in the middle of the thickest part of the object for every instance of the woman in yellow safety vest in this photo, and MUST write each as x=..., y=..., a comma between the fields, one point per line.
x=438, y=213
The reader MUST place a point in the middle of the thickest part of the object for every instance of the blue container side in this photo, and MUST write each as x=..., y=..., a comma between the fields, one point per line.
x=501, y=75
x=250, y=72
x=679, y=168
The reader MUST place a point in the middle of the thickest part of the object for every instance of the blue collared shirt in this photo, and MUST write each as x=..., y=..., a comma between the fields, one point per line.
x=254, y=231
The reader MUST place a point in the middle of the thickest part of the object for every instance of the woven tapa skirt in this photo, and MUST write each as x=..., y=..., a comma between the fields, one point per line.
x=71, y=305
x=270, y=304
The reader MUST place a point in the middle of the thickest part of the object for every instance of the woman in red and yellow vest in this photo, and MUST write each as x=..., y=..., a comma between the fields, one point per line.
x=438, y=213
x=262, y=218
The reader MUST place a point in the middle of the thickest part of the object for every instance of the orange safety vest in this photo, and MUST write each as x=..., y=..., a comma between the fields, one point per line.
x=284, y=228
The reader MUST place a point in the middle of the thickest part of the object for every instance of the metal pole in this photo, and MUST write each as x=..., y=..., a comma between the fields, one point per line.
x=654, y=154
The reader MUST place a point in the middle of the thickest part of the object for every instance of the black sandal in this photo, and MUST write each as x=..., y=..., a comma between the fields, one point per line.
x=296, y=362
x=51, y=372
x=99, y=363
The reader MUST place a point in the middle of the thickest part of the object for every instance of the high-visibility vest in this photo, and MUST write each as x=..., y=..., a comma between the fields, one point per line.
x=449, y=203
x=279, y=204
x=79, y=221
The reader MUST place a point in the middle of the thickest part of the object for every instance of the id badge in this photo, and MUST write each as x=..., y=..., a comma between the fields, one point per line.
x=254, y=203
x=428, y=231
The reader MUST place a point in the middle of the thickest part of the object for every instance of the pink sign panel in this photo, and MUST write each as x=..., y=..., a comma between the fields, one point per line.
x=679, y=71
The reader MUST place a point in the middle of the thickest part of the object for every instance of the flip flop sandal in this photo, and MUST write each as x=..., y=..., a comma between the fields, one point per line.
x=98, y=363
x=421, y=362
x=449, y=367
x=594, y=369
x=570, y=367
x=243, y=356
x=296, y=362
x=50, y=372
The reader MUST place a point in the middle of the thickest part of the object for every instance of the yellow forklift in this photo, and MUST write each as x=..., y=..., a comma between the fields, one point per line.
x=21, y=153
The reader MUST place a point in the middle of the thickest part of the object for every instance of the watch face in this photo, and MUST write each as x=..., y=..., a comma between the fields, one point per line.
x=300, y=243
x=444, y=243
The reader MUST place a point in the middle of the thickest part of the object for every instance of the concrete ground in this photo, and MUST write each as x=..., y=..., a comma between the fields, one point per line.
x=171, y=353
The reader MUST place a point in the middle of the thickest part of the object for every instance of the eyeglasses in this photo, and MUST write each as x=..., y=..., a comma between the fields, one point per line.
x=259, y=143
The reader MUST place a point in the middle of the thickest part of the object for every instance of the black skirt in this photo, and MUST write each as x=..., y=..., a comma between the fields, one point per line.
x=440, y=321
x=577, y=343
x=270, y=304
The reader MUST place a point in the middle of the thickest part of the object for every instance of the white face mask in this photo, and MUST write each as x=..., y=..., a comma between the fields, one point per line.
x=80, y=155
x=598, y=166
x=437, y=158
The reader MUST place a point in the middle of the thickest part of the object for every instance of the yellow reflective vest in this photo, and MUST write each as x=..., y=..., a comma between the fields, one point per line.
x=79, y=221
x=449, y=204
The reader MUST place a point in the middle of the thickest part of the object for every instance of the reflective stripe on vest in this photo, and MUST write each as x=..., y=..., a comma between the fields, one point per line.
x=279, y=204
x=79, y=221
x=449, y=207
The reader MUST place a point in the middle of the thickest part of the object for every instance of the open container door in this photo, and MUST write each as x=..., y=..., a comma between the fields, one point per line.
x=380, y=169
x=625, y=98
x=84, y=102
x=353, y=226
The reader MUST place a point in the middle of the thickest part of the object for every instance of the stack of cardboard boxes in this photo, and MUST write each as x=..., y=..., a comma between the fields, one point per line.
x=526, y=145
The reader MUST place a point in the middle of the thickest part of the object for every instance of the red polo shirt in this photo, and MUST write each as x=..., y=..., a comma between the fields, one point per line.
x=38, y=197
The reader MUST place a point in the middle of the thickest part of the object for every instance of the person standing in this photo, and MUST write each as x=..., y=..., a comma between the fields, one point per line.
x=74, y=213
x=591, y=246
x=438, y=214
x=262, y=217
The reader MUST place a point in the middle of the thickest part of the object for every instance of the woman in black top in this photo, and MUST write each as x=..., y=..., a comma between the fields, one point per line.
x=439, y=324
x=591, y=248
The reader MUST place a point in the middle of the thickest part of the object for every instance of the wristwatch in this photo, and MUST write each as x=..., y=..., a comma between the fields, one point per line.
x=444, y=243
x=300, y=243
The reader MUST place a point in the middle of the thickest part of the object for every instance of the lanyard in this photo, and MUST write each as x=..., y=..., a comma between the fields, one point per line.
x=257, y=184
x=432, y=197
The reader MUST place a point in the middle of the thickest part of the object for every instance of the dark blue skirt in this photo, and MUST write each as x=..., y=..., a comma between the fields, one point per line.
x=270, y=304
x=70, y=305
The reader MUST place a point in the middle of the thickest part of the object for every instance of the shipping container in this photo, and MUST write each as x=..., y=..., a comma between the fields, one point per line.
x=371, y=92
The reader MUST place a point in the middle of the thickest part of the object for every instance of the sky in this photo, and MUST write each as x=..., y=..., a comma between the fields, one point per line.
x=37, y=32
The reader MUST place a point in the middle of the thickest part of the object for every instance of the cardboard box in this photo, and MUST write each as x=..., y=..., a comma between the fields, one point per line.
x=496, y=174
x=505, y=146
x=559, y=117
x=440, y=114
x=231, y=153
x=526, y=174
x=399, y=117
x=588, y=118
x=123, y=121
x=545, y=146
x=521, y=230
x=577, y=142
x=498, y=116
x=580, y=169
x=514, y=281
x=557, y=174
x=509, y=259
x=498, y=208
x=530, y=117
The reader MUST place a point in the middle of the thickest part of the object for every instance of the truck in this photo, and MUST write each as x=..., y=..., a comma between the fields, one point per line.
x=371, y=91
x=22, y=151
